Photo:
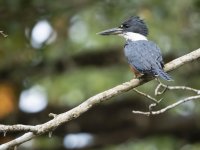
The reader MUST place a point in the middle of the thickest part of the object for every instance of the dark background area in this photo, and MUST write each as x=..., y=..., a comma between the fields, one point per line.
x=52, y=60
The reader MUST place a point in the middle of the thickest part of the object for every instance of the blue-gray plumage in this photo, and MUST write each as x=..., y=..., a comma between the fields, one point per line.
x=143, y=56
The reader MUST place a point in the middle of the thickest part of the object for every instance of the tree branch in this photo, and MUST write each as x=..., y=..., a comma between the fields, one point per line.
x=4, y=35
x=89, y=103
x=167, y=87
x=168, y=107
x=146, y=95
x=17, y=127
x=159, y=92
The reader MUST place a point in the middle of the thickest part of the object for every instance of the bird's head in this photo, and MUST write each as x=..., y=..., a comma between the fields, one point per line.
x=133, y=28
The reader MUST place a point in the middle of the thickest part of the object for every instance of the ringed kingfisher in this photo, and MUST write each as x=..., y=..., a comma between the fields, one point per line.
x=144, y=56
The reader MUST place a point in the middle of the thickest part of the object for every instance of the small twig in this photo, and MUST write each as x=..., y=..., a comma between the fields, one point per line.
x=52, y=115
x=154, y=104
x=4, y=35
x=168, y=107
x=151, y=108
x=158, y=90
x=182, y=88
x=146, y=95
x=149, y=97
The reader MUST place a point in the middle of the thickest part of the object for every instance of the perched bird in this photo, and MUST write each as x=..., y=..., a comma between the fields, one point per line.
x=144, y=56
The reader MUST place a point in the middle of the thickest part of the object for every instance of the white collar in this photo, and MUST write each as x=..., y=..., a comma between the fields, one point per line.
x=133, y=36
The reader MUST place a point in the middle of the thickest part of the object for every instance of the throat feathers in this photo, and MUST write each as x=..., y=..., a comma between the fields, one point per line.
x=133, y=36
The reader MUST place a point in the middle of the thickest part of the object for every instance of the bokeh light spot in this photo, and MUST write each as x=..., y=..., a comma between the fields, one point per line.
x=78, y=140
x=41, y=33
x=33, y=100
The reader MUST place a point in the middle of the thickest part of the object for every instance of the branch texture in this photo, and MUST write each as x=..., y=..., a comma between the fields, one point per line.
x=33, y=131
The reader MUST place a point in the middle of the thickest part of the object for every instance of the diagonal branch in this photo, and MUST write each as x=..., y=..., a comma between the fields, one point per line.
x=147, y=96
x=17, y=127
x=168, y=107
x=89, y=103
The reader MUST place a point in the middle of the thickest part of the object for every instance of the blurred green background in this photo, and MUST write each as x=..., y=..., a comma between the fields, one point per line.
x=52, y=60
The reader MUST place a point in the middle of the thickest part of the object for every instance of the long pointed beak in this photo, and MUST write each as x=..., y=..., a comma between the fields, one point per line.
x=113, y=31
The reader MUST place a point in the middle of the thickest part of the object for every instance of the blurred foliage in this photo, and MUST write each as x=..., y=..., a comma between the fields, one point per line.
x=156, y=143
x=58, y=62
x=151, y=143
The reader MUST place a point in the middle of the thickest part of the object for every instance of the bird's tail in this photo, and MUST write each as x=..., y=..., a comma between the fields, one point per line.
x=161, y=73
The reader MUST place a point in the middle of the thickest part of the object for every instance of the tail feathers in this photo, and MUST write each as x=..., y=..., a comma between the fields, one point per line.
x=163, y=75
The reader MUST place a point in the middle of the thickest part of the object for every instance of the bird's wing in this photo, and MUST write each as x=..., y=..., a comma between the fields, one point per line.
x=145, y=56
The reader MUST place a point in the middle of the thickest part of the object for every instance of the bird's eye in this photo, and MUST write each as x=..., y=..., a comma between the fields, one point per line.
x=124, y=26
